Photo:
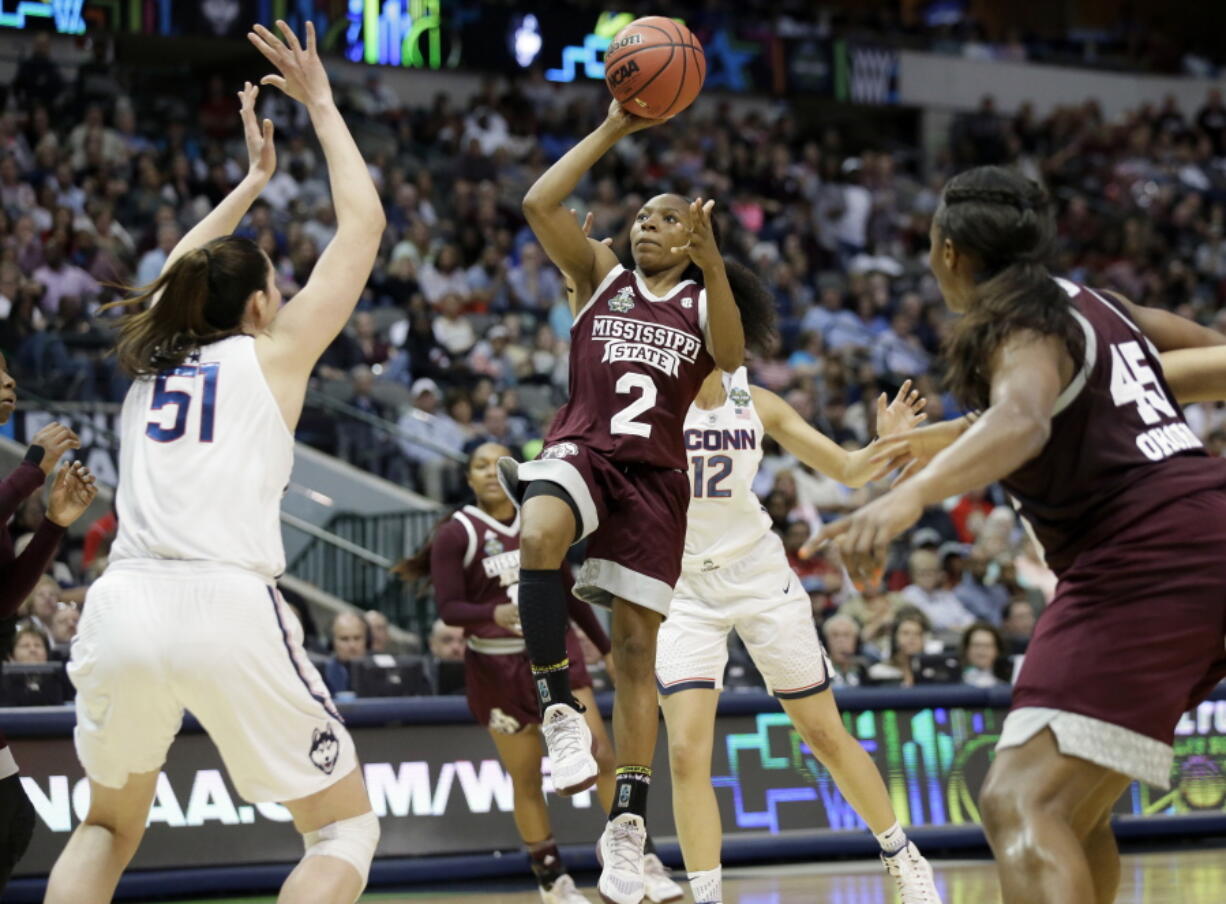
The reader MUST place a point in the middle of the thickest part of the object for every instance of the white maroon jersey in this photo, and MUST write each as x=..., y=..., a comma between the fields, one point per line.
x=724, y=449
x=204, y=459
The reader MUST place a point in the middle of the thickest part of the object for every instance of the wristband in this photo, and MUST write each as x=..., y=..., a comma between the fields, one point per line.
x=35, y=455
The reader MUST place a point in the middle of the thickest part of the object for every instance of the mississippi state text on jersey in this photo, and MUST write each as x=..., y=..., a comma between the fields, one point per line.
x=204, y=459
x=636, y=363
x=724, y=449
x=1119, y=445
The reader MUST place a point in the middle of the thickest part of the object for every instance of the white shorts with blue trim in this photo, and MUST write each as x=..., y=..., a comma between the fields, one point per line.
x=759, y=597
x=157, y=638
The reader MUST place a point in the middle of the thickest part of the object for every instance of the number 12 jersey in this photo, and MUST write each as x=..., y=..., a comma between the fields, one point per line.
x=204, y=460
x=637, y=361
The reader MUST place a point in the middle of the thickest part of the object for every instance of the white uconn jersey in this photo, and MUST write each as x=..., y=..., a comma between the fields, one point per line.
x=205, y=457
x=724, y=448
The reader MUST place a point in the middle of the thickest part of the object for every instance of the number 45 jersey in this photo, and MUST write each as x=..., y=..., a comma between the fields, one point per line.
x=1119, y=448
x=204, y=459
x=636, y=362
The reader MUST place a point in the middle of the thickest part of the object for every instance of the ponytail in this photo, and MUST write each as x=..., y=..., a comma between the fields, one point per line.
x=1004, y=221
x=200, y=298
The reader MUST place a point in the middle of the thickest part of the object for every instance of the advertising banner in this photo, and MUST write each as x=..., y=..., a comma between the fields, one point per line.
x=439, y=789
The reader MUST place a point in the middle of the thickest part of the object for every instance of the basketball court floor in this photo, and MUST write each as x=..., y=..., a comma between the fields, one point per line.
x=1174, y=877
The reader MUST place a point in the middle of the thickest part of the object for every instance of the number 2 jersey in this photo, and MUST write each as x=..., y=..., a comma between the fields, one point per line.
x=1119, y=447
x=637, y=361
x=204, y=460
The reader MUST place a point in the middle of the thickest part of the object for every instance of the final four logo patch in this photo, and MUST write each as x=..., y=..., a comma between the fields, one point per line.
x=623, y=301
x=740, y=397
x=493, y=546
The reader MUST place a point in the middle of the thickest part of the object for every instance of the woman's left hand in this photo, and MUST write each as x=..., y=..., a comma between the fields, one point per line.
x=261, y=150
x=904, y=413
x=864, y=537
x=701, y=247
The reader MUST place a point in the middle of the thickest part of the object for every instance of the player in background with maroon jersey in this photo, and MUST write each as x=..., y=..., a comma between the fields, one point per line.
x=1081, y=428
x=473, y=561
x=614, y=466
x=71, y=495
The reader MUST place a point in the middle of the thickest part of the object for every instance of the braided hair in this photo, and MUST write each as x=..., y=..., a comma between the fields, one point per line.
x=1004, y=221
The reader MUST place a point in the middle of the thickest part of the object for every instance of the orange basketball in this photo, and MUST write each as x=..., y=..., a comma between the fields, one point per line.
x=655, y=67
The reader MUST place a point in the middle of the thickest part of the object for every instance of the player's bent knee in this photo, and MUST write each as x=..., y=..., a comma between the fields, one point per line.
x=541, y=547
x=353, y=840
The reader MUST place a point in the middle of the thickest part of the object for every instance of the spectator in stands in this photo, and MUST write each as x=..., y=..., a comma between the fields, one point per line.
x=60, y=277
x=64, y=628
x=908, y=638
x=982, y=647
x=423, y=423
x=842, y=638
x=38, y=80
x=446, y=642
x=445, y=276
x=1017, y=626
x=29, y=644
x=348, y=644
x=378, y=630
x=453, y=330
x=943, y=609
x=534, y=284
x=39, y=606
x=875, y=611
x=986, y=602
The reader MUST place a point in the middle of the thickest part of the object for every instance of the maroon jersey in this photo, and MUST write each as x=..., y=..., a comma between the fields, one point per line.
x=1119, y=446
x=475, y=558
x=636, y=363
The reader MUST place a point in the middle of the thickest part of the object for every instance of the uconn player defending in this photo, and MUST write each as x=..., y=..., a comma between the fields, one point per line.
x=186, y=615
x=735, y=575
x=1079, y=425
x=613, y=468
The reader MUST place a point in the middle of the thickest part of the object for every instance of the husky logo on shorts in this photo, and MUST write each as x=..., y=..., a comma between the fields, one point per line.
x=623, y=301
x=503, y=723
x=740, y=397
x=493, y=546
x=561, y=450
x=324, y=749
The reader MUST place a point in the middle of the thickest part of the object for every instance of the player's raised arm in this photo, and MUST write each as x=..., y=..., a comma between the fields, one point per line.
x=727, y=334
x=818, y=451
x=306, y=326
x=261, y=164
x=583, y=262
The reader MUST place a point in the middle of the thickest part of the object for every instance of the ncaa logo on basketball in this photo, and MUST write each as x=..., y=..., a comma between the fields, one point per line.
x=561, y=450
x=623, y=301
x=623, y=72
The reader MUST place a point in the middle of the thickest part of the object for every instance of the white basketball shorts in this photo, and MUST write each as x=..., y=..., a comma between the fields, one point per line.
x=157, y=638
x=759, y=597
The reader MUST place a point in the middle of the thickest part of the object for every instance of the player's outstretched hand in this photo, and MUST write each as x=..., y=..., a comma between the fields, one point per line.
x=261, y=150
x=863, y=538
x=626, y=123
x=302, y=74
x=74, y=489
x=701, y=247
x=904, y=413
x=586, y=226
x=56, y=439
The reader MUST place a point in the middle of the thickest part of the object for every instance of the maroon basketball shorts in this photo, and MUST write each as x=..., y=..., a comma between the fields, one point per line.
x=634, y=517
x=1135, y=637
x=501, y=691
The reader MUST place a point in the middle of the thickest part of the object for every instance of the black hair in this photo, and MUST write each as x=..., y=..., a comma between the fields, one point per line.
x=982, y=626
x=417, y=566
x=1004, y=221
x=203, y=296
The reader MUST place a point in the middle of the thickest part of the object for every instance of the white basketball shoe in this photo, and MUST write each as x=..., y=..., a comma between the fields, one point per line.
x=659, y=883
x=913, y=875
x=620, y=852
x=570, y=749
x=563, y=892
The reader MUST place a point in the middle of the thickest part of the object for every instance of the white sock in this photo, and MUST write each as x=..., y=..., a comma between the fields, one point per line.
x=893, y=840
x=707, y=886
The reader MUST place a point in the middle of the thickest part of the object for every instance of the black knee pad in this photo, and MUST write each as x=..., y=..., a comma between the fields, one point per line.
x=16, y=825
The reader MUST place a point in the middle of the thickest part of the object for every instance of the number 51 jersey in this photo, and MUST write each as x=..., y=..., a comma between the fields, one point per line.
x=204, y=459
x=637, y=361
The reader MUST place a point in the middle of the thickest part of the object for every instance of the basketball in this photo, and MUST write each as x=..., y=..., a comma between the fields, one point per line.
x=655, y=67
